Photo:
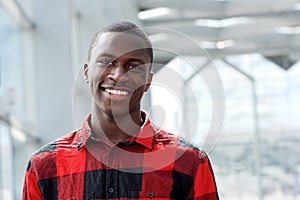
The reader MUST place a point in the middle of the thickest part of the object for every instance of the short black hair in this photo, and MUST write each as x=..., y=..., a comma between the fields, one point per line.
x=122, y=27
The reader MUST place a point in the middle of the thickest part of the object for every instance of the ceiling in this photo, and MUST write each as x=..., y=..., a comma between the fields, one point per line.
x=225, y=27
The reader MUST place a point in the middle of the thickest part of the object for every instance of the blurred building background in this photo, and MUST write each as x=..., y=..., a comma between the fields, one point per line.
x=229, y=68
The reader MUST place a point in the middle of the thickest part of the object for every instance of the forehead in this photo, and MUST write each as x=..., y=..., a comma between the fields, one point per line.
x=119, y=44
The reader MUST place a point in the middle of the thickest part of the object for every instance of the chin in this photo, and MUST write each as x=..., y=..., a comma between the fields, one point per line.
x=117, y=112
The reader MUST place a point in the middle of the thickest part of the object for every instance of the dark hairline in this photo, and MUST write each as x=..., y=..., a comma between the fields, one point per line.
x=122, y=27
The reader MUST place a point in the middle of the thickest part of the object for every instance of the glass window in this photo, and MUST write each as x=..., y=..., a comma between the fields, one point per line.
x=15, y=143
x=269, y=164
x=10, y=64
x=6, y=163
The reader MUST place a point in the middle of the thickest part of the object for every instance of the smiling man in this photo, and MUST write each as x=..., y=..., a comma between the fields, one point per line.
x=118, y=73
x=118, y=153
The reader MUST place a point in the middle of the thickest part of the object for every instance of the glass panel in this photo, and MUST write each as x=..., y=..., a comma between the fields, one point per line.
x=11, y=71
x=14, y=150
x=6, y=163
x=236, y=157
x=22, y=150
x=278, y=108
x=294, y=98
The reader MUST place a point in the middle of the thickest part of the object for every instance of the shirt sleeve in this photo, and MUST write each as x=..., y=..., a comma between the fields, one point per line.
x=204, y=187
x=31, y=190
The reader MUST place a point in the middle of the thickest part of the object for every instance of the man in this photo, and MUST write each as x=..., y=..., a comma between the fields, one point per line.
x=118, y=153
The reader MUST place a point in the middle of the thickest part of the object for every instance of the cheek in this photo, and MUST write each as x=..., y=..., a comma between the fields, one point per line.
x=140, y=85
x=140, y=79
x=96, y=74
x=138, y=93
x=95, y=78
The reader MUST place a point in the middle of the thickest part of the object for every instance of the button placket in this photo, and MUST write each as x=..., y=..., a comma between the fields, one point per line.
x=112, y=174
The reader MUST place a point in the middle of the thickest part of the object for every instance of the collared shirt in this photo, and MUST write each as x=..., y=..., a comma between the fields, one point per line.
x=151, y=165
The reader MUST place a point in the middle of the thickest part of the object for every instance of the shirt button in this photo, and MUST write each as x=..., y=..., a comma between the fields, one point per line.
x=151, y=194
x=112, y=152
x=111, y=190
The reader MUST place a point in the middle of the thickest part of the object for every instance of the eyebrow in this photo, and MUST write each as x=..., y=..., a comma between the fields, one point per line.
x=135, y=60
x=106, y=55
x=131, y=59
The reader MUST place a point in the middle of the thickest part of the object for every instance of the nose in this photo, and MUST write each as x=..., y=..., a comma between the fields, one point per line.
x=117, y=72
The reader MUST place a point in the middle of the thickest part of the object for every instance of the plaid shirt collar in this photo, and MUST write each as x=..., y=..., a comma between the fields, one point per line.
x=144, y=137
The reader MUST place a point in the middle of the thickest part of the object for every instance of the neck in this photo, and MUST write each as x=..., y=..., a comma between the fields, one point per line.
x=115, y=128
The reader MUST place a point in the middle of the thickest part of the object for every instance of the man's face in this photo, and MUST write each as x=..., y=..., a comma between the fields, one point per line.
x=118, y=73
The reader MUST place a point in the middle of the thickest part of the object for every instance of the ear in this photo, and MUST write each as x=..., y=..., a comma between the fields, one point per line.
x=86, y=72
x=148, y=82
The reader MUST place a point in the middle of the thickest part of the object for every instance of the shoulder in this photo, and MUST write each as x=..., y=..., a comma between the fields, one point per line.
x=182, y=147
x=48, y=151
x=43, y=162
x=183, y=157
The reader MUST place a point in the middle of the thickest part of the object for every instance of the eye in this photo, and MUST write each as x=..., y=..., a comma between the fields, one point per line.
x=104, y=63
x=134, y=67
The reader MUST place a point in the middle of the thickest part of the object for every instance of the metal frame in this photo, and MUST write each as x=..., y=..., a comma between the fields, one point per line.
x=18, y=13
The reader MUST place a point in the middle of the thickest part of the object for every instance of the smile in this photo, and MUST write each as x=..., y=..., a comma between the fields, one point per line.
x=116, y=92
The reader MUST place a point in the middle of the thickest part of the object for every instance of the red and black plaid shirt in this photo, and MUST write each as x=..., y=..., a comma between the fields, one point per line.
x=153, y=165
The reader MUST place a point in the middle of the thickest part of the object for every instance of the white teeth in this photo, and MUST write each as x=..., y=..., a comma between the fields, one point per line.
x=116, y=92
